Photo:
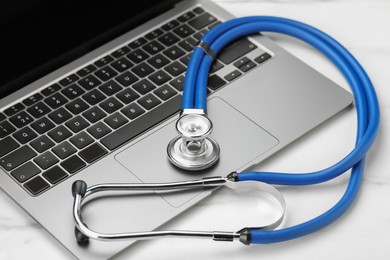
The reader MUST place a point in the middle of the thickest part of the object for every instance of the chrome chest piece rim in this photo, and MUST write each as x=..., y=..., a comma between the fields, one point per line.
x=193, y=149
x=193, y=161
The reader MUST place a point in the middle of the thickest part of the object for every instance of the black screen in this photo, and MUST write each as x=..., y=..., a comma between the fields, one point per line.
x=39, y=36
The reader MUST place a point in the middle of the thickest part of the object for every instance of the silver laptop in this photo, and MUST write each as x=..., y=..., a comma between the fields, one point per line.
x=107, y=115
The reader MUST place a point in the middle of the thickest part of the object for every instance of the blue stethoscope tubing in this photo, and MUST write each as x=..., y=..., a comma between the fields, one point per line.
x=195, y=96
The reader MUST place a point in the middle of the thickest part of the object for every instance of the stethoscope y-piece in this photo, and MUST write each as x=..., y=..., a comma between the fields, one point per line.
x=80, y=192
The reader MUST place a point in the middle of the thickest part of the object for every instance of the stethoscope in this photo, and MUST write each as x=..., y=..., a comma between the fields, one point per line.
x=194, y=149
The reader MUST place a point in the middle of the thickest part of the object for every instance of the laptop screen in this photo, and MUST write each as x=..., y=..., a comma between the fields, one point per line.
x=39, y=36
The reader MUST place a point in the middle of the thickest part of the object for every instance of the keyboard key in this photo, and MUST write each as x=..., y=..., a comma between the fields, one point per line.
x=104, y=61
x=23, y=135
x=144, y=86
x=165, y=92
x=122, y=64
x=38, y=110
x=170, y=25
x=241, y=62
x=168, y=39
x=133, y=129
x=178, y=83
x=93, y=97
x=111, y=105
x=106, y=73
x=21, y=119
x=77, y=124
x=81, y=140
x=2, y=117
x=73, y=91
x=110, y=88
x=158, y=61
x=198, y=10
x=250, y=65
x=174, y=52
x=68, y=80
x=99, y=130
x=92, y=153
x=263, y=57
x=50, y=90
x=137, y=43
x=14, y=109
x=217, y=65
x=55, y=174
x=73, y=164
x=185, y=17
x=7, y=145
x=56, y=100
x=199, y=35
x=188, y=44
x=232, y=75
x=215, y=82
x=116, y=120
x=132, y=111
x=60, y=115
x=186, y=59
x=46, y=160
x=64, y=150
x=153, y=34
x=94, y=114
x=86, y=70
x=149, y=101
x=31, y=100
x=36, y=185
x=77, y=106
x=126, y=79
x=142, y=70
x=127, y=96
x=175, y=68
x=60, y=133
x=202, y=21
x=120, y=52
x=42, y=143
x=25, y=172
x=89, y=82
x=17, y=157
x=236, y=50
x=160, y=77
x=214, y=25
x=183, y=31
x=153, y=47
x=6, y=129
x=42, y=125
x=137, y=56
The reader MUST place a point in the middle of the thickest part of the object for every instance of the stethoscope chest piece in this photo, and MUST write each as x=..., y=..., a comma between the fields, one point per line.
x=193, y=149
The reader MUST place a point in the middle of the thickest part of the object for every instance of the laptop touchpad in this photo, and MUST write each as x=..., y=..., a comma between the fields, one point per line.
x=240, y=139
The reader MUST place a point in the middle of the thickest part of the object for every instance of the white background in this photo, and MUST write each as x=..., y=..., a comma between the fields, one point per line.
x=363, y=27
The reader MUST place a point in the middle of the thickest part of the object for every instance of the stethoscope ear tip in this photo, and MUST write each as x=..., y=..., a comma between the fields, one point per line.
x=82, y=239
x=79, y=187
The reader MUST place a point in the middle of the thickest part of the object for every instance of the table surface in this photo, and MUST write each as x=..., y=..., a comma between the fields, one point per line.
x=362, y=26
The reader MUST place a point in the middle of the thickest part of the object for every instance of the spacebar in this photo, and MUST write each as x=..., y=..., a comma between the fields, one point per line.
x=141, y=124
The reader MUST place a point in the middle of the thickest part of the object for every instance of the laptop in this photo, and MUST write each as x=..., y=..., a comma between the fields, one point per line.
x=91, y=90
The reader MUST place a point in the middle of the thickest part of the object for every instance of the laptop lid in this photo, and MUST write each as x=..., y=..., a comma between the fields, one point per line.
x=39, y=36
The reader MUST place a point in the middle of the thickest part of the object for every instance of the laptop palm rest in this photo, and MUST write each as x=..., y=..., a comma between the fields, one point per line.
x=241, y=141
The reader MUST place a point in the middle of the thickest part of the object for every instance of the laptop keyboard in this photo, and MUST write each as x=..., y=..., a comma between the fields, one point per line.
x=55, y=133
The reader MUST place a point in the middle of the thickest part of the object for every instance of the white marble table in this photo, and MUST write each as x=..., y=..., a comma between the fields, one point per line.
x=363, y=27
